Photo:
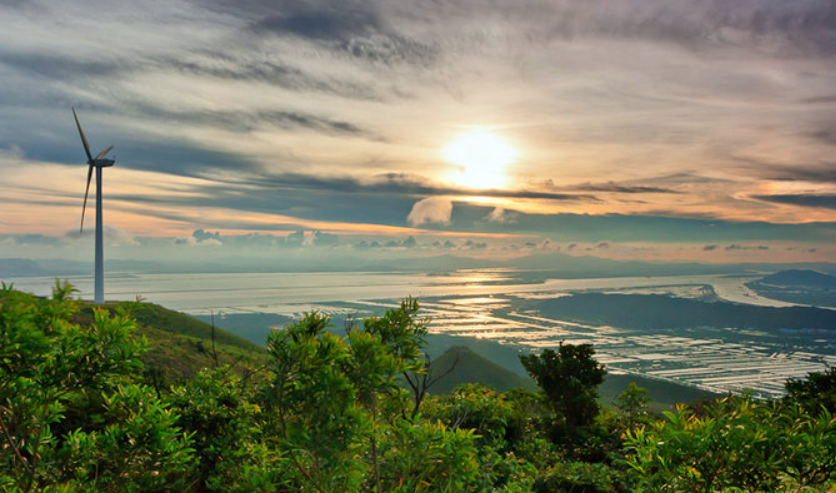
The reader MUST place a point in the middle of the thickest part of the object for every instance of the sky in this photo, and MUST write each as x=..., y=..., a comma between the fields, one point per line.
x=701, y=130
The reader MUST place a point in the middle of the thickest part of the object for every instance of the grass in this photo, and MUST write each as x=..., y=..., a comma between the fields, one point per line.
x=179, y=346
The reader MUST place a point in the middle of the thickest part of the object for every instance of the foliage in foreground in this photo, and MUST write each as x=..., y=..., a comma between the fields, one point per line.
x=328, y=414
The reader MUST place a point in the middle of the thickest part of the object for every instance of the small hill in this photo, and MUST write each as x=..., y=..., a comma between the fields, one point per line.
x=179, y=346
x=800, y=278
x=466, y=366
x=663, y=395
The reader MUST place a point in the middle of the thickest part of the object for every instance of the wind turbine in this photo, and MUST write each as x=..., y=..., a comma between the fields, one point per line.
x=99, y=162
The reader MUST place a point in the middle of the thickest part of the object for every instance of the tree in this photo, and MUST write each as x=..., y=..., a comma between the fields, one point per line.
x=633, y=402
x=735, y=444
x=70, y=417
x=569, y=377
x=815, y=392
x=326, y=393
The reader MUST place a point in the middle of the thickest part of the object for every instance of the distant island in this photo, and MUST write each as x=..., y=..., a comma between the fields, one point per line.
x=801, y=286
x=635, y=311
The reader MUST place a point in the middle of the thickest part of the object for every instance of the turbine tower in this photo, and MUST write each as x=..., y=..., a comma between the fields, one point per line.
x=99, y=162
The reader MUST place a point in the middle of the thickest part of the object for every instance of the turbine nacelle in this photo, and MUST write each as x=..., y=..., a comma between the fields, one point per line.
x=102, y=163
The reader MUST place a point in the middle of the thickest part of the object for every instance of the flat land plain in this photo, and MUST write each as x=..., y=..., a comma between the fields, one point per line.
x=498, y=307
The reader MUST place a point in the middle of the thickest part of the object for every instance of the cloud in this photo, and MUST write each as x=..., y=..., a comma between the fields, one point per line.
x=297, y=238
x=321, y=238
x=201, y=235
x=410, y=242
x=802, y=172
x=613, y=187
x=772, y=26
x=472, y=245
x=248, y=121
x=113, y=235
x=709, y=248
x=117, y=236
x=826, y=201
x=191, y=240
x=37, y=239
x=431, y=210
x=735, y=246
x=500, y=215
x=356, y=28
x=238, y=96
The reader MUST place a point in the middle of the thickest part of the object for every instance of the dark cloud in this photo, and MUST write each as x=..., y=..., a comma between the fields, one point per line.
x=13, y=3
x=243, y=121
x=410, y=242
x=300, y=237
x=201, y=235
x=226, y=64
x=617, y=188
x=472, y=245
x=825, y=99
x=772, y=26
x=735, y=246
x=353, y=27
x=708, y=248
x=399, y=183
x=826, y=136
x=801, y=172
x=826, y=201
x=635, y=228
x=653, y=184
x=230, y=65
x=58, y=67
x=322, y=20
x=823, y=172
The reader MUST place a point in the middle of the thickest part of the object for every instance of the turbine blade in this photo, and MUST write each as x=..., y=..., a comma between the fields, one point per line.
x=104, y=152
x=83, y=138
x=86, y=192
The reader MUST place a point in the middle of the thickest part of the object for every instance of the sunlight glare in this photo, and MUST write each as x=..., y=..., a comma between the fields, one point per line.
x=482, y=158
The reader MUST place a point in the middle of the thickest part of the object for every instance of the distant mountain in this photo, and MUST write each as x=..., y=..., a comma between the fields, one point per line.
x=635, y=311
x=800, y=278
x=465, y=366
x=539, y=266
x=19, y=267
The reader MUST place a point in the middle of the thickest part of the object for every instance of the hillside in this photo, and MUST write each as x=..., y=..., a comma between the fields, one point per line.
x=180, y=346
x=466, y=366
x=663, y=395
x=470, y=367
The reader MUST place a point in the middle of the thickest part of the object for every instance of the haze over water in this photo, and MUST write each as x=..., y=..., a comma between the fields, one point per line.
x=200, y=292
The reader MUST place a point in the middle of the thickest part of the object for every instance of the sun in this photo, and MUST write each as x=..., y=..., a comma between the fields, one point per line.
x=482, y=159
